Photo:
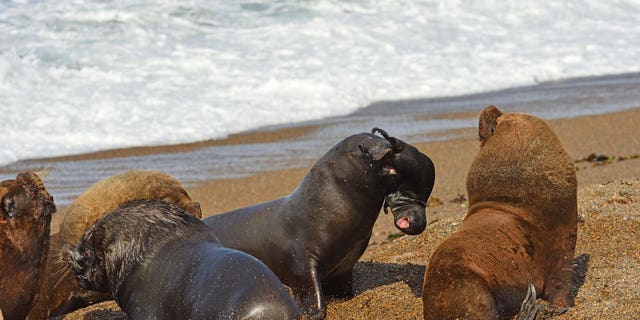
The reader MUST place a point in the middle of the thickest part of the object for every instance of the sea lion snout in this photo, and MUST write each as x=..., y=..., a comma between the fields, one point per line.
x=71, y=256
x=412, y=222
x=26, y=198
x=409, y=213
x=81, y=260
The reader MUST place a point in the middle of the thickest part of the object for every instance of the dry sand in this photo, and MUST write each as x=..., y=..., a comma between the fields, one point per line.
x=388, y=278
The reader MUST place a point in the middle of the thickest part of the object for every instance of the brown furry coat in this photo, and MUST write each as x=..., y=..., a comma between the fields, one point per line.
x=59, y=293
x=521, y=225
x=25, y=217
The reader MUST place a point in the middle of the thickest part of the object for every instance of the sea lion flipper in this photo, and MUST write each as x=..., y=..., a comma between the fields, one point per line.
x=529, y=309
x=308, y=289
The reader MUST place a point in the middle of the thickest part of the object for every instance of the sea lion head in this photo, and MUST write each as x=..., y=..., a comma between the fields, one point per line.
x=26, y=212
x=408, y=175
x=121, y=240
x=521, y=161
x=90, y=258
x=25, y=216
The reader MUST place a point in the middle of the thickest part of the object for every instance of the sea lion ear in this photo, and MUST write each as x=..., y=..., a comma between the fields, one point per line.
x=376, y=152
x=488, y=121
x=395, y=144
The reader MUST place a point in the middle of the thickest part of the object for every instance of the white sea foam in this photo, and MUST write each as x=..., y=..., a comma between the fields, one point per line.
x=79, y=76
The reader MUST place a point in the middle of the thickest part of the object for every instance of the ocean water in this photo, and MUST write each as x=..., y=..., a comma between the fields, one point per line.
x=80, y=76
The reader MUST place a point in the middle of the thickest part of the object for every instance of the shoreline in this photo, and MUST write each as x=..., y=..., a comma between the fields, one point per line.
x=577, y=96
x=388, y=277
x=299, y=145
x=610, y=134
x=581, y=137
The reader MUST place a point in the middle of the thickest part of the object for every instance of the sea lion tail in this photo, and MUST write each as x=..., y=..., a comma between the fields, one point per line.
x=529, y=309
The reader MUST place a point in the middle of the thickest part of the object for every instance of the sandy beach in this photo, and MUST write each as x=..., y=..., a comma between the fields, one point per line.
x=389, y=276
x=237, y=100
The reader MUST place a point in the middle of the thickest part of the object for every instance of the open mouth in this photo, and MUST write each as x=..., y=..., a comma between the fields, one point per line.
x=403, y=223
x=408, y=213
x=411, y=221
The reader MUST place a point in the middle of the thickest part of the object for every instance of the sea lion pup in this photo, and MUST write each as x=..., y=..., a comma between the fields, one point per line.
x=160, y=262
x=313, y=237
x=521, y=225
x=59, y=293
x=24, y=241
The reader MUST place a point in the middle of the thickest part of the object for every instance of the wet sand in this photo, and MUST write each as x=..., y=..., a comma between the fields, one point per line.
x=609, y=134
x=298, y=145
x=388, y=278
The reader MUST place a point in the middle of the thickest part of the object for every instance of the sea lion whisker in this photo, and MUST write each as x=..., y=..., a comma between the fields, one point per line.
x=60, y=269
x=57, y=255
x=60, y=265
x=62, y=277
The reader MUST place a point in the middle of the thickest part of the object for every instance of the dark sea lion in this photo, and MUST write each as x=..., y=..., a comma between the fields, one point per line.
x=521, y=225
x=313, y=237
x=25, y=218
x=59, y=293
x=160, y=262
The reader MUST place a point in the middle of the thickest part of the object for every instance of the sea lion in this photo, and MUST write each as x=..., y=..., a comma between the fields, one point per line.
x=25, y=218
x=521, y=225
x=159, y=262
x=111, y=192
x=313, y=237
x=59, y=293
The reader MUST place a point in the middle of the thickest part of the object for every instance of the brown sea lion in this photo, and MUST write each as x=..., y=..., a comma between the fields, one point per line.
x=109, y=193
x=159, y=262
x=521, y=225
x=24, y=241
x=313, y=237
x=59, y=293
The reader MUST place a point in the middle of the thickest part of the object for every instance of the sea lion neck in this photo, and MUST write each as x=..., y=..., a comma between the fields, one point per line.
x=500, y=206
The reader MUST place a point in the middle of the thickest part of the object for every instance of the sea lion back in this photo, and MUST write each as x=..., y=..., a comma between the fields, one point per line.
x=109, y=193
x=522, y=162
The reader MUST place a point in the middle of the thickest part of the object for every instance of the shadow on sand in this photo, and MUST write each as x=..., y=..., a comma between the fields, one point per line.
x=368, y=275
x=580, y=267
